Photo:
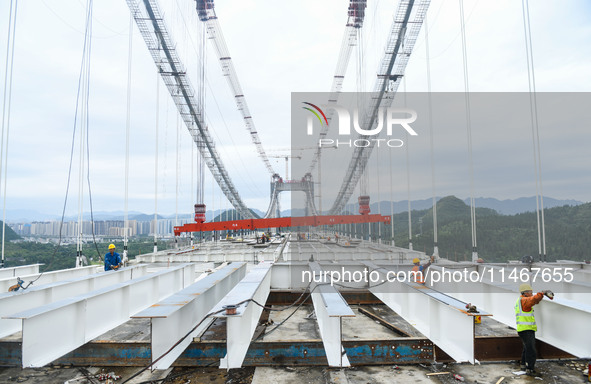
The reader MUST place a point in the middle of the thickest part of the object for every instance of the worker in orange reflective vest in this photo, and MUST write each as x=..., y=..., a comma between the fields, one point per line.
x=420, y=271
x=526, y=325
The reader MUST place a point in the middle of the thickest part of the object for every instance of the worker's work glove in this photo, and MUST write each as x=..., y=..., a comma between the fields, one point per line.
x=549, y=294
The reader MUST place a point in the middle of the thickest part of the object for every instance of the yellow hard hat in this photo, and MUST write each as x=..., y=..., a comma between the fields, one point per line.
x=416, y=260
x=525, y=287
x=112, y=246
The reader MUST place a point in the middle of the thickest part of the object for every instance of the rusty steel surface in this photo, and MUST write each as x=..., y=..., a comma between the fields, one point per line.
x=502, y=348
x=384, y=322
x=406, y=350
x=351, y=297
x=305, y=353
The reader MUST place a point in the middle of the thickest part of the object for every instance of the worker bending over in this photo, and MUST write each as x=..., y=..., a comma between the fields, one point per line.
x=112, y=259
x=526, y=325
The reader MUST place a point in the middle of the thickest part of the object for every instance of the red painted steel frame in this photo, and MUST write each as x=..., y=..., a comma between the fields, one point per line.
x=281, y=222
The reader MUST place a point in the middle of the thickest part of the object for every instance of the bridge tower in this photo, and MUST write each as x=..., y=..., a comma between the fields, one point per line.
x=278, y=185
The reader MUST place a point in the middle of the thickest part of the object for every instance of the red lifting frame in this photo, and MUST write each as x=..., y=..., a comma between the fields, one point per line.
x=282, y=222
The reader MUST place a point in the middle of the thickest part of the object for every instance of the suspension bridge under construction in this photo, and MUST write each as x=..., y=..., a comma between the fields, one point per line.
x=323, y=287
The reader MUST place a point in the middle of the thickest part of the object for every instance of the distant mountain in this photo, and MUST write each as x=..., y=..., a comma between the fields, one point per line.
x=520, y=205
x=500, y=237
x=504, y=207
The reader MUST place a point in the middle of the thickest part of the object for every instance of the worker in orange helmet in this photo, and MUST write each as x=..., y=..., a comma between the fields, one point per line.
x=526, y=325
x=420, y=271
x=112, y=259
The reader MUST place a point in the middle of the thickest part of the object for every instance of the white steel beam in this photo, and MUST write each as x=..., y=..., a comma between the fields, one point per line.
x=559, y=321
x=50, y=277
x=174, y=317
x=52, y=330
x=330, y=308
x=441, y=318
x=14, y=302
x=241, y=326
x=18, y=271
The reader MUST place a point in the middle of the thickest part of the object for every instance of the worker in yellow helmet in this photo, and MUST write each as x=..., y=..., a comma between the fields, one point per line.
x=112, y=259
x=420, y=271
x=526, y=325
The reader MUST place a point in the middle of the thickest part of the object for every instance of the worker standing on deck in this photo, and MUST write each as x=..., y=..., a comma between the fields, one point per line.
x=112, y=259
x=526, y=325
x=420, y=271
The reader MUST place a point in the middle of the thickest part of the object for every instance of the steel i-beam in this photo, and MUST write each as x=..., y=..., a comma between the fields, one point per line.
x=330, y=308
x=49, y=277
x=240, y=327
x=174, y=317
x=556, y=319
x=14, y=302
x=443, y=319
x=18, y=271
x=52, y=330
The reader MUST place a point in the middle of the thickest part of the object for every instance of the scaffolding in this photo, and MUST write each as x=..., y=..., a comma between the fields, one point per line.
x=162, y=49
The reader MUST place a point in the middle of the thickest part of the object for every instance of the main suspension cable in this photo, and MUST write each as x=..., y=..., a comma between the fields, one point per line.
x=431, y=139
x=6, y=111
x=469, y=132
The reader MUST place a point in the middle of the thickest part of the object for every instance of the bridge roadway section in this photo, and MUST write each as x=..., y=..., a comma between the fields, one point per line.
x=326, y=327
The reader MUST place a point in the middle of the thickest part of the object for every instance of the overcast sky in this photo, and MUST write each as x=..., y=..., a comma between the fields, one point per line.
x=278, y=47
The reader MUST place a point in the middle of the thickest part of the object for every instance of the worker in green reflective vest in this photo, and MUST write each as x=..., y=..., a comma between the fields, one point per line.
x=526, y=325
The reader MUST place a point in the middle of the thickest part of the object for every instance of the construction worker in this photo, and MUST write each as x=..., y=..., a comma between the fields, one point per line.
x=420, y=271
x=112, y=259
x=526, y=325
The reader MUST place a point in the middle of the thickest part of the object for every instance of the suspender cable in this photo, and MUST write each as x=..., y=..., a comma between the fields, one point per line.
x=176, y=199
x=430, y=104
x=156, y=164
x=89, y=34
x=192, y=183
x=81, y=174
x=469, y=133
x=127, y=129
x=84, y=90
x=391, y=201
x=407, y=153
x=408, y=192
x=6, y=110
x=379, y=203
x=535, y=131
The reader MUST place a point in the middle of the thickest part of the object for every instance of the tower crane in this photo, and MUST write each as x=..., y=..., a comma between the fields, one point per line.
x=286, y=157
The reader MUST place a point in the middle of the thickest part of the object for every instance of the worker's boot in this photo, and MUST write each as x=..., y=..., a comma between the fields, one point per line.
x=531, y=372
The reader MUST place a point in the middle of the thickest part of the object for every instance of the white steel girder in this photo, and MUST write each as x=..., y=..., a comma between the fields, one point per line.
x=18, y=271
x=441, y=318
x=50, y=277
x=52, y=330
x=22, y=300
x=174, y=317
x=561, y=322
x=330, y=308
x=560, y=279
x=241, y=326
